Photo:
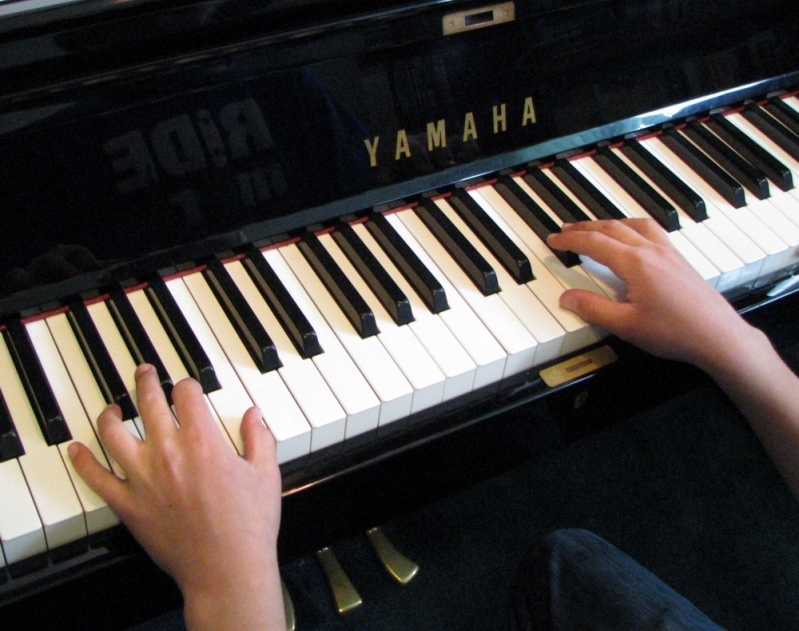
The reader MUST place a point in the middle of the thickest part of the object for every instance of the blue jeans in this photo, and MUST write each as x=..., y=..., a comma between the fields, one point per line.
x=575, y=581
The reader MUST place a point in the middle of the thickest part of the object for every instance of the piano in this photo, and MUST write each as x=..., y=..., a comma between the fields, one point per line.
x=337, y=211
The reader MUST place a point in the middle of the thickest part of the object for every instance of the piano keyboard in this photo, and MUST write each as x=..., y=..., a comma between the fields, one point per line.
x=338, y=333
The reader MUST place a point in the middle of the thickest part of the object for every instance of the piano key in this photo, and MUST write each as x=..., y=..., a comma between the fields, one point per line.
x=787, y=140
x=322, y=410
x=515, y=339
x=393, y=300
x=682, y=195
x=787, y=115
x=10, y=446
x=465, y=256
x=426, y=285
x=181, y=335
x=97, y=513
x=46, y=475
x=775, y=249
x=139, y=344
x=533, y=215
x=351, y=302
x=502, y=248
x=751, y=151
x=105, y=370
x=718, y=222
x=629, y=205
x=240, y=315
x=451, y=358
x=470, y=332
x=49, y=417
x=81, y=376
x=282, y=304
x=554, y=197
x=266, y=390
x=748, y=175
x=636, y=187
x=403, y=347
x=381, y=372
x=599, y=205
x=704, y=167
x=21, y=530
x=336, y=367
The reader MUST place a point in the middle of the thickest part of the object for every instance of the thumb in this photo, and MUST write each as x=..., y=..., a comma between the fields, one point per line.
x=595, y=309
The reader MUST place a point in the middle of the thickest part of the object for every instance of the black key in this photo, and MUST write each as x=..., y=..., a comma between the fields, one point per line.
x=774, y=129
x=136, y=338
x=533, y=215
x=705, y=168
x=346, y=296
x=560, y=203
x=457, y=245
x=238, y=311
x=756, y=155
x=753, y=179
x=409, y=265
x=640, y=190
x=180, y=334
x=379, y=280
x=680, y=193
x=784, y=113
x=10, y=445
x=498, y=243
x=103, y=368
x=291, y=318
x=591, y=197
x=40, y=395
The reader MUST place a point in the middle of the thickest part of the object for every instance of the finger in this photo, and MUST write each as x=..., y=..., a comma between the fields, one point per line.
x=99, y=479
x=596, y=309
x=601, y=247
x=259, y=444
x=190, y=405
x=153, y=407
x=118, y=442
x=623, y=230
x=649, y=229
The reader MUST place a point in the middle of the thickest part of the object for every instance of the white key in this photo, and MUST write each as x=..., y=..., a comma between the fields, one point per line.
x=451, y=358
x=99, y=515
x=616, y=193
x=517, y=341
x=282, y=414
x=523, y=302
x=471, y=333
x=401, y=344
x=334, y=364
x=321, y=408
x=717, y=222
x=372, y=359
x=49, y=483
x=166, y=351
x=21, y=532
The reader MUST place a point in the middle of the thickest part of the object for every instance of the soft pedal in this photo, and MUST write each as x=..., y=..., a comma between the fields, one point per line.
x=400, y=567
x=345, y=596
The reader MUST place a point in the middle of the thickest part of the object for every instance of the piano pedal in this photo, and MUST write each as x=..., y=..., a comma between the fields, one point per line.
x=345, y=596
x=400, y=567
x=288, y=606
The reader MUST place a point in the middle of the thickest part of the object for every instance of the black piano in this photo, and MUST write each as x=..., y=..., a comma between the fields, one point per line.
x=338, y=211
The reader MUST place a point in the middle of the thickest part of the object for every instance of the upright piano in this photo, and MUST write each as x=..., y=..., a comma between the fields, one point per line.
x=338, y=211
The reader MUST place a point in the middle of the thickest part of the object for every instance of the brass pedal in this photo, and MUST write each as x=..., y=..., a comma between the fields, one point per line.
x=401, y=568
x=345, y=595
x=288, y=606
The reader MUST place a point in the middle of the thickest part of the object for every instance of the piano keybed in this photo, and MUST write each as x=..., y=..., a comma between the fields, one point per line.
x=349, y=330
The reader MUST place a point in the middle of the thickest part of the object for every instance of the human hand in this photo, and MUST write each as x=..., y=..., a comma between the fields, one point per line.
x=207, y=517
x=669, y=310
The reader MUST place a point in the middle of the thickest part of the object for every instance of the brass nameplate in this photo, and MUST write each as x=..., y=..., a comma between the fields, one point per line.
x=479, y=18
x=578, y=366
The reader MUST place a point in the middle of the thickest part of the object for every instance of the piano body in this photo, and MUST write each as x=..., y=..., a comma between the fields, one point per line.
x=192, y=181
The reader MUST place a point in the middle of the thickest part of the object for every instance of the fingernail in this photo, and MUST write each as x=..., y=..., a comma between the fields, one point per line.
x=72, y=450
x=142, y=368
x=568, y=302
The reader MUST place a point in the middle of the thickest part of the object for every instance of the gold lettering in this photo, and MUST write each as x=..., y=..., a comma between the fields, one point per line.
x=436, y=135
x=529, y=112
x=500, y=119
x=372, y=149
x=403, y=147
x=469, y=128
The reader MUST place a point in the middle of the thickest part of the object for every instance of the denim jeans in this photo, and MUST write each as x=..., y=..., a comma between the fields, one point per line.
x=576, y=581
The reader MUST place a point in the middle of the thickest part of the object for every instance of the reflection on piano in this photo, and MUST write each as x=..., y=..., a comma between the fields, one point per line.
x=339, y=213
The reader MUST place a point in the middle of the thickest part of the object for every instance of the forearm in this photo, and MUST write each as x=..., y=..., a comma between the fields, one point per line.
x=766, y=391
